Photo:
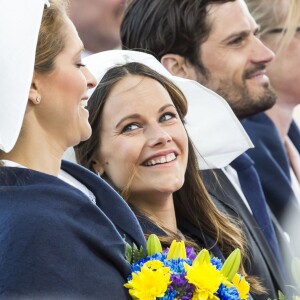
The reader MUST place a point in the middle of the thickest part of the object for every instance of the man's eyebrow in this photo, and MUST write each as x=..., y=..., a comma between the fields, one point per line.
x=235, y=35
x=241, y=34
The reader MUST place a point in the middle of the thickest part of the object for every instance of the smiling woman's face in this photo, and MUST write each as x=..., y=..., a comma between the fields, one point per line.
x=64, y=92
x=141, y=131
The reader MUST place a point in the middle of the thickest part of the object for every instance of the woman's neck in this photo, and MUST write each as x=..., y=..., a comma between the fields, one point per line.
x=281, y=114
x=159, y=207
x=35, y=152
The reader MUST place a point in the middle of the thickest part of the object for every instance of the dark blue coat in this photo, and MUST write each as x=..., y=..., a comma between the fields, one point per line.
x=262, y=262
x=56, y=244
x=272, y=164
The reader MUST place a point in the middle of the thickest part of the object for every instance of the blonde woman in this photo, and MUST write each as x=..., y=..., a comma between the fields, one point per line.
x=62, y=232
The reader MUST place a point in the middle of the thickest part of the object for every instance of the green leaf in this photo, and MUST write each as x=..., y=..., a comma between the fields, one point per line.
x=281, y=296
x=128, y=253
x=133, y=253
x=137, y=253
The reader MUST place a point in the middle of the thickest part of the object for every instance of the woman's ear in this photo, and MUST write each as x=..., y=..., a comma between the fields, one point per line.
x=34, y=96
x=98, y=167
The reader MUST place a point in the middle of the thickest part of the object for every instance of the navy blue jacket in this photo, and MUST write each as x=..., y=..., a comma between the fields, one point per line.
x=56, y=244
x=262, y=262
x=272, y=164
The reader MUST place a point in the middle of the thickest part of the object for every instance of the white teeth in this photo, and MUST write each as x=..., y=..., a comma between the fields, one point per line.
x=161, y=160
x=83, y=103
x=171, y=157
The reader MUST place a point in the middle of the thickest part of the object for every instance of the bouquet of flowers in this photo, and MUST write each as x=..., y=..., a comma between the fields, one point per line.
x=180, y=273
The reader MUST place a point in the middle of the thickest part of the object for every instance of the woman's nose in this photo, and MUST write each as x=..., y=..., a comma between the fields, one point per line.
x=90, y=79
x=158, y=136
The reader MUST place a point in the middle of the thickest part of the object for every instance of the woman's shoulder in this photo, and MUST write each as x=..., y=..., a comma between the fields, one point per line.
x=57, y=239
x=28, y=197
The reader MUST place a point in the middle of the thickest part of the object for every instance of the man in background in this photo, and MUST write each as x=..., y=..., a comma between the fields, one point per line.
x=214, y=42
x=98, y=23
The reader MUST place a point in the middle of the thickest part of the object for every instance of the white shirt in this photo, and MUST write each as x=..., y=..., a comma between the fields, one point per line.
x=232, y=175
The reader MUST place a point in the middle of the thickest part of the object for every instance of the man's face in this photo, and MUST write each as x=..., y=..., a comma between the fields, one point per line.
x=235, y=60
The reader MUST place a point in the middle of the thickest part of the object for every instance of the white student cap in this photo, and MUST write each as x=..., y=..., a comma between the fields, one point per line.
x=213, y=127
x=20, y=22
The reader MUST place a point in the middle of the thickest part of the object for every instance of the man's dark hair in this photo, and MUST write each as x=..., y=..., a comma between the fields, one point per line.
x=168, y=26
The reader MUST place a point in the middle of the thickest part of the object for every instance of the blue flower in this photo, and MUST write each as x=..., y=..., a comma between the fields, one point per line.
x=226, y=293
x=216, y=262
x=170, y=295
x=176, y=265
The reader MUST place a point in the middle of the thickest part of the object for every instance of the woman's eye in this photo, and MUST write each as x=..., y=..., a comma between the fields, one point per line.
x=130, y=127
x=79, y=65
x=167, y=116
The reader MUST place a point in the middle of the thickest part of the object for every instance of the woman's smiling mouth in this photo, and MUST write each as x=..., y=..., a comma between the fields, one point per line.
x=160, y=159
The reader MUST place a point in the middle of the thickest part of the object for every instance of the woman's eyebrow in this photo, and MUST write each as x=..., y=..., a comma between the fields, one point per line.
x=132, y=116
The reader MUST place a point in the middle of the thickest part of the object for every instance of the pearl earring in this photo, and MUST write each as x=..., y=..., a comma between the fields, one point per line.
x=38, y=99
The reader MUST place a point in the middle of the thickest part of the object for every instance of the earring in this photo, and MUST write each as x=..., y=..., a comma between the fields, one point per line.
x=38, y=99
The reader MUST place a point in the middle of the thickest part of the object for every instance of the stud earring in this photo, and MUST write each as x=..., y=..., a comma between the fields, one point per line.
x=38, y=99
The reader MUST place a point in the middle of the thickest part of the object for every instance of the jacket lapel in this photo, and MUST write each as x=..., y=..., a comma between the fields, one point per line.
x=110, y=202
x=223, y=190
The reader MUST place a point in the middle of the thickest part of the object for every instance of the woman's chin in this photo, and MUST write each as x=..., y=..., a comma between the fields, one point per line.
x=86, y=134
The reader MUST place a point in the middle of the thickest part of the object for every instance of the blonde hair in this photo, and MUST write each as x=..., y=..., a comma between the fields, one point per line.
x=270, y=13
x=51, y=40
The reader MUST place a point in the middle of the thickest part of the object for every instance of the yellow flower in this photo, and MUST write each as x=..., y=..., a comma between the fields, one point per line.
x=206, y=278
x=242, y=286
x=177, y=250
x=151, y=282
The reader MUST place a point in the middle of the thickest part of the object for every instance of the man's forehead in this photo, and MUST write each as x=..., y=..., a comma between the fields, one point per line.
x=229, y=18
